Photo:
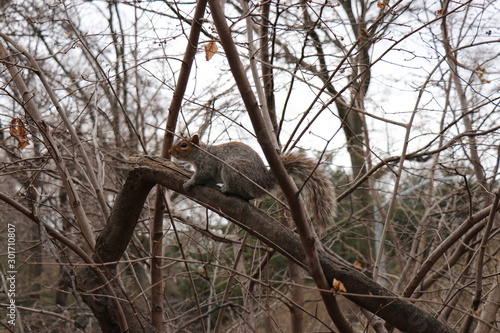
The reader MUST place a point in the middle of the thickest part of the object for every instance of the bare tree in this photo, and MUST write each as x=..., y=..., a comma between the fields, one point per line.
x=398, y=101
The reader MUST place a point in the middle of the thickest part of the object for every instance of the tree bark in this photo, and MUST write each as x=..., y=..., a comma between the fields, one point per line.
x=110, y=246
x=114, y=239
x=360, y=289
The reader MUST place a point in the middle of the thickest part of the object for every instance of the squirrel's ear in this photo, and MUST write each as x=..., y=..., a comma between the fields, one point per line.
x=195, y=139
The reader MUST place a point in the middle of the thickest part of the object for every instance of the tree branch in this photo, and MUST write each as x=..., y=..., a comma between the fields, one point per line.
x=361, y=290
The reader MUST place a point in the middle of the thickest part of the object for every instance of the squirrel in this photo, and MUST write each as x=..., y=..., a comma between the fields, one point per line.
x=224, y=163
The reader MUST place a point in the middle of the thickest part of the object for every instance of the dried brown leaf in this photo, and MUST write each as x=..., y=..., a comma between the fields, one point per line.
x=18, y=132
x=382, y=4
x=210, y=49
x=338, y=286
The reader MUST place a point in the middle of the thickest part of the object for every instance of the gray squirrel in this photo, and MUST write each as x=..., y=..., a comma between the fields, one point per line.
x=226, y=162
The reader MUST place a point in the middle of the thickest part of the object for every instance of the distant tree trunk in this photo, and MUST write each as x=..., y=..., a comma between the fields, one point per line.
x=297, y=296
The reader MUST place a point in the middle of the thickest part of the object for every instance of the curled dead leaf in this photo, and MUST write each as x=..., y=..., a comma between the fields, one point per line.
x=381, y=4
x=18, y=132
x=480, y=72
x=210, y=49
x=338, y=286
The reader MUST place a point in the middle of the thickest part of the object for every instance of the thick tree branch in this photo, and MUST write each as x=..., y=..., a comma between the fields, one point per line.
x=110, y=246
x=361, y=290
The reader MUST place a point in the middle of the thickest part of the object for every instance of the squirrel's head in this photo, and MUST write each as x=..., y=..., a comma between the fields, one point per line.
x=184, y=147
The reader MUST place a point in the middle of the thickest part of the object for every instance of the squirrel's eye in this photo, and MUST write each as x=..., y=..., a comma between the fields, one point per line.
x=184, y=145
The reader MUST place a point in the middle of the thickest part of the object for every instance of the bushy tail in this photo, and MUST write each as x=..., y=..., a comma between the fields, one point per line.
x=319, y=192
